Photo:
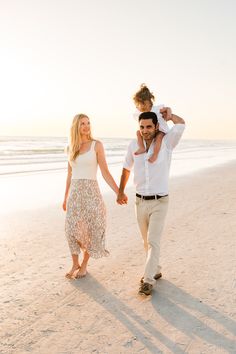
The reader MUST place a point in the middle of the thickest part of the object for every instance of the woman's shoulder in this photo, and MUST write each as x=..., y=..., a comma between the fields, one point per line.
x=98, y=145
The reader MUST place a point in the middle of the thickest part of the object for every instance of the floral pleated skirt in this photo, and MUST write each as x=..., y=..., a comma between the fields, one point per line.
x=85, y=224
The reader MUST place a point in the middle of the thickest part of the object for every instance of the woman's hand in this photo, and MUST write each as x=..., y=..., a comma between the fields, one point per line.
x=64, y=205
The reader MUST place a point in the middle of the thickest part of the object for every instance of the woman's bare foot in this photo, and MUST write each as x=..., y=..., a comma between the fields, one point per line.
x=70, y=274
x=140, y=151
x=81, y=273
x=153, y=158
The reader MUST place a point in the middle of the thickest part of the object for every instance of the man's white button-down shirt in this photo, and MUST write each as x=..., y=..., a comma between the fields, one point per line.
x=152, y=178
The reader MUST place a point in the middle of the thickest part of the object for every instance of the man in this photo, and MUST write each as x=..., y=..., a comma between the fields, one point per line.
x=151, y=180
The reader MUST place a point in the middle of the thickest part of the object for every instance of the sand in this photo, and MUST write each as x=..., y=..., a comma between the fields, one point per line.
x=192, y=308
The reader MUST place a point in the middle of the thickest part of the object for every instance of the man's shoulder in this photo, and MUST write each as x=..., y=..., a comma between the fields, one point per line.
x=177, y=128
x=172, y=138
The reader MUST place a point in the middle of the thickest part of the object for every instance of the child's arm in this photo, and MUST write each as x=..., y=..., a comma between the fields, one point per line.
x=157, y=146
x=166, y=112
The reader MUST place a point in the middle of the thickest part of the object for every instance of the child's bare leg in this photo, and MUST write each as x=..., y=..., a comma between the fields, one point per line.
x=157, y=146
x=141, y=148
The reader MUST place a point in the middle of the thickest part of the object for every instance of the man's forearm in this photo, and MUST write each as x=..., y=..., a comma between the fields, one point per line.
x=176, y=119
x=124, y=179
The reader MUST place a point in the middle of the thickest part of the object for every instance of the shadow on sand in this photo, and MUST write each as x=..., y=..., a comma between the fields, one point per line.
x=168, y=301
x=172, y=303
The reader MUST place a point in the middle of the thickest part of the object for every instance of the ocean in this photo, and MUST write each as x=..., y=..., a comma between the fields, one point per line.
x=27, y=155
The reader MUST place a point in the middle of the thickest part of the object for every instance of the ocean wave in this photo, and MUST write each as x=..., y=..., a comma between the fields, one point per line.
x=31, y=154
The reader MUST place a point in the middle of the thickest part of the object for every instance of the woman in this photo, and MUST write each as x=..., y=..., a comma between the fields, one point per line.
x=85, y=210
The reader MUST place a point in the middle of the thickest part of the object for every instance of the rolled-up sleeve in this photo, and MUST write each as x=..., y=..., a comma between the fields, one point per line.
x=174, y=135
x=129, y=159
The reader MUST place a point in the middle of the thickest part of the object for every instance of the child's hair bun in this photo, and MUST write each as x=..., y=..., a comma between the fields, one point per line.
x=143, y=94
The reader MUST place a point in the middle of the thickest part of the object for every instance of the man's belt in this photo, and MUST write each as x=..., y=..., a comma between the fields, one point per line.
x=150, y=197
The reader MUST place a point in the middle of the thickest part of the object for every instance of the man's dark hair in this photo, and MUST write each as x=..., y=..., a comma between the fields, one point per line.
x=149, y=115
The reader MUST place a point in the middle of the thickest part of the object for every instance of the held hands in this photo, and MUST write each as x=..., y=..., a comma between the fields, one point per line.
x=122, y=198
x=166, y=113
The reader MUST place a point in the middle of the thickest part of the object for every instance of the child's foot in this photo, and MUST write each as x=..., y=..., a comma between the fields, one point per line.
x=81, y=272
x=153, y=158
x=140, y=151
x=70, y=274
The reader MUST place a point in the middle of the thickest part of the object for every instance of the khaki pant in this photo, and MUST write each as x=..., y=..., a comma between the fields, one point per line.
x=151, y=217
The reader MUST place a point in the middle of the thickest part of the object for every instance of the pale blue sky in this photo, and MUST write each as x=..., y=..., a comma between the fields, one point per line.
x=59, y=58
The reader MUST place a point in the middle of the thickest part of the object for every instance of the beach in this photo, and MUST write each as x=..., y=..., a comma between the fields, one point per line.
x=192, y=309
x=83, y=88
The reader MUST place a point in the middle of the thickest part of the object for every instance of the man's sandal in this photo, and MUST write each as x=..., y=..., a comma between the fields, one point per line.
x=145, y=289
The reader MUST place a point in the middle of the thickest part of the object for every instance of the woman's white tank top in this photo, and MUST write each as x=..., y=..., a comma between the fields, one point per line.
x=85, y=165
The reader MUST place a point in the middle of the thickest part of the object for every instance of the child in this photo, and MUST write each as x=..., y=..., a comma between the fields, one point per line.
x=143, y=100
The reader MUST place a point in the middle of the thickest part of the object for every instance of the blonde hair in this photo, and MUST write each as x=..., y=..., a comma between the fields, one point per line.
x=143, y=94
x=75, y=136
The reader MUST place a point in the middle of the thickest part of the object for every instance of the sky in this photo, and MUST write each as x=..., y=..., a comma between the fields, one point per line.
x=63, y=57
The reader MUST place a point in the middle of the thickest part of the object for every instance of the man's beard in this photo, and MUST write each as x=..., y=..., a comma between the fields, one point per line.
x=149, y=136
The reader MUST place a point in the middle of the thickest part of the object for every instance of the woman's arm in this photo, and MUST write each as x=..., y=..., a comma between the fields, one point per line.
x=103, y=167
x=68, y=182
